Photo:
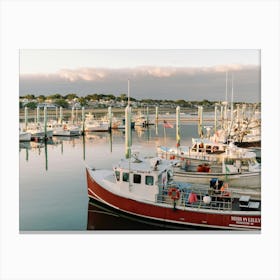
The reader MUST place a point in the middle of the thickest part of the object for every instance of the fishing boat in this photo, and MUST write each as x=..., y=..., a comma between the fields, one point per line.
x=144, y=187
x=237, y=166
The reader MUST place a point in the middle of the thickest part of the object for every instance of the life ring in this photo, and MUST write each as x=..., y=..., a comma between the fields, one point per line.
x=174, y=193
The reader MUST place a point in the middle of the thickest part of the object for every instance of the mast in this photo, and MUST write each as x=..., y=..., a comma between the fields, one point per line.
x=231, y=106
x=128, y=127
x=178, y=138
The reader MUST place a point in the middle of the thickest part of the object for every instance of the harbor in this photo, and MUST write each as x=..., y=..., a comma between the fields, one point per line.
x=68, y=156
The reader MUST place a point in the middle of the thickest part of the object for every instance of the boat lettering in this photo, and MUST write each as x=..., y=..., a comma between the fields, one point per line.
x=245, y=220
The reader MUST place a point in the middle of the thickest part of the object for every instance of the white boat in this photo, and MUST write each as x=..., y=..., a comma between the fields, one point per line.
x=142, y=120
x=64, y=129
x=24, y=136
x=235, y=165
x=201, y=151
x=38, y=132
x=92, y=124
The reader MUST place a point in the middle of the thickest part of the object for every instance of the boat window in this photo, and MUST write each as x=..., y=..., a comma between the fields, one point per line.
x=229, y=161
x=125, y=176
x=117, y=173
x=149, y=180
x=137, y=178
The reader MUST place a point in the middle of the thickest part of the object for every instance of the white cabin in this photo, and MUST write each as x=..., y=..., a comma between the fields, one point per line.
x=143, y=179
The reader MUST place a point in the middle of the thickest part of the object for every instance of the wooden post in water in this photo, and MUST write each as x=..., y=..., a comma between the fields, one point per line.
x=110, y=117
x=127, y=132
x=225, y=116
x=147, y=117
x=46, y=156
x=231, y=106
x=73, y=115
x=45, y=121
x=215, y=119
x=83, y=120
x=178, y=137
x=222, y=117
x=25, y=116
x=60, y=114
x=200, y=120
x=56, y=114
x=84, y=147
x=156, y=120
x=38, y=114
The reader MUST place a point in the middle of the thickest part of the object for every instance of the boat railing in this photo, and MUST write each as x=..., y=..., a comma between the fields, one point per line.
x=197, y=198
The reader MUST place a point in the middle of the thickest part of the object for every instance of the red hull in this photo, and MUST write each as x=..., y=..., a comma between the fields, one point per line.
x=188, y=217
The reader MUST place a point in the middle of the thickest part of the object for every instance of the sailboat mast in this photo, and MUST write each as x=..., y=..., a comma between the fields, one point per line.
x=231, y=106
x=128, y=127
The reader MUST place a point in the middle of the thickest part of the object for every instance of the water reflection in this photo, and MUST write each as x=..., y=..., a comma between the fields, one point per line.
x=52, y=181
x=101, y=217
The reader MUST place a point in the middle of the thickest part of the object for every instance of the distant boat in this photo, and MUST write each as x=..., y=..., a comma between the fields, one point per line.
x=94, y=125
x=64, y=129
x=120, y=123
x=38, y=132
x=24, y=136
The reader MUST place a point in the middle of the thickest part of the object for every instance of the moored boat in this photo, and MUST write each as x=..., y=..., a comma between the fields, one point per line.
x=235, y=165
x=64, y=129
x=94, y=125
x=24, y=136
x=145, y=188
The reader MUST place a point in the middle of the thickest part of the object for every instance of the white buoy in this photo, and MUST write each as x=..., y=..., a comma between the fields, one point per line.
x=207, y=199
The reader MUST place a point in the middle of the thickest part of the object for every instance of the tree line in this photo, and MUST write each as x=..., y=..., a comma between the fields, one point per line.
x=63, y=100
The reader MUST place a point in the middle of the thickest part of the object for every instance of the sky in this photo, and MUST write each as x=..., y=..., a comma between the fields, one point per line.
x=157, y=74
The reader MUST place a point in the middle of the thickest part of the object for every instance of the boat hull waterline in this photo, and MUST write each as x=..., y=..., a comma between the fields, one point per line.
x=239, y=220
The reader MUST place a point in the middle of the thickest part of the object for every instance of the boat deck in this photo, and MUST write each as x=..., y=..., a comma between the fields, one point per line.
x=209, y=199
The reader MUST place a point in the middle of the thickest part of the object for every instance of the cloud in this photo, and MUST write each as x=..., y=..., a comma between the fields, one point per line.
x=98, y=74
x=189, y=83
x=86, y=74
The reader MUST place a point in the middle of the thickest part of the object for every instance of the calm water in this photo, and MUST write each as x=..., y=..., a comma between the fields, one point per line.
x=52, y=181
